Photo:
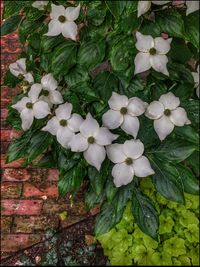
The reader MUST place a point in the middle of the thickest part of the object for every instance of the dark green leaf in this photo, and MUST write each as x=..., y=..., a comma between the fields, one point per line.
x=47, y=161
x=121, y=198
x=49, y=42
x=116, y=7
x=77, y=75
x=188, y=134
x=179, y=51
x=178, y=72
x=96, y=13
x=92, y=199
x=34, y=14
x=192, y=108
x=192, y=28
x=10, y=80
x=27, y=27
x=193, y=163
x=10, y=25
x=110, y=189
x=13, y=7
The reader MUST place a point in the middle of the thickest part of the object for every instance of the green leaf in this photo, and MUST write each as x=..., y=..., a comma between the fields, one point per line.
x=10, y=80
x=193, y=163
x=116, y=7
x=183, y=91
x=96, y=13
x=38, y=144
x=105, y=83
x=10, y=25
x=179, y=51
x=34, y=14
x=77, y=75
x=178, y=72
x=13, y=7
x=192, y=28
x=188, y=134
x=92, y=199
x=72, y=179
x=27, y=27
x=49, y=42
x=167, y=180
x=91, y=54
x=47, y=161
x=145, y=214
x=110, y=189
x=192, y=108
x=63, y=58
x=85, y=92
x=121, y=198
x=190, y=183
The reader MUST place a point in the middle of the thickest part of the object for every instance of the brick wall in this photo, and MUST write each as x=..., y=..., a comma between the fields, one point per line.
x=30, y=202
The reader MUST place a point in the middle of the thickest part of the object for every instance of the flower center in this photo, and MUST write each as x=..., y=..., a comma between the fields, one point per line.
x=20, y=76
x=129, y=161
x=152, y=51
x=123, y=110
x=63, y=123
x=29, y=105
x=167, y=112
x=45, y=92
x=62, y=18
x=91, y=140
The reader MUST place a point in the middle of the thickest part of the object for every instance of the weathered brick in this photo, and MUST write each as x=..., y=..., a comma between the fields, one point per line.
x=14, y=242
x=31, y=224
x=38, y=176
x=52, y=207
x=6, y=224
x=9, y=135
x=4, y=113
x=11, y=190
x=15, y=164
x=21, y=207
x=4, y=147
x=52, y=175
x=33, y=191
x=16, y=175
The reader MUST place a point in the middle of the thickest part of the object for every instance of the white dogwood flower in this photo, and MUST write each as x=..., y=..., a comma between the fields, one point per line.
x=19, y=69
x=166, y=114
x=152, y=53
x=91, y=140
x=144, y=6
x=196, y=80
x=64, y=124
x=128, y=161
x=40, y=4
x=30, y=107
x=124, y=113
x=192, y=6
x=62, y=21
x=48, y=90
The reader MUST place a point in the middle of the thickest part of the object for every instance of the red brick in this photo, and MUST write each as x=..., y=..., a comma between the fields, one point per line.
x=6, y=224
x=21, y=207
x=54, y=207
x=52, y=175
x=4, y=113
x=32, y=191
x=9, y=135
x=11, y=190
x=12, y=243
x=15, y=164
x=16, y=175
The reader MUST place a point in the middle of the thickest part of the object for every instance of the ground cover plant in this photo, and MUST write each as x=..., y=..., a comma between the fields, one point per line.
x=109, y=95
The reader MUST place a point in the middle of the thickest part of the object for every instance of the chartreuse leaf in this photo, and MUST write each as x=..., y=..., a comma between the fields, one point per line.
x=167, y=180
x=145, y=214
x=10, y=25
x=191, y=23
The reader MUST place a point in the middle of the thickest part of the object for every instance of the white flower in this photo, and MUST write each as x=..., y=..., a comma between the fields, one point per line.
x=152, y=53
x=19, y=68
x=128, y=161
x=30, y=107
x=48, y=90
x=144, y=6
x=62, y=21
x=91, y=140
x=196, y=80
x=124, y=113
x=40, y=4
x=64, y=124
x=166, y=114
x=192, y=6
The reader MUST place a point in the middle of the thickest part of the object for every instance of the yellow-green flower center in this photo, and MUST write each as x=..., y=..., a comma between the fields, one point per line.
x=45, y=92
x=123, y=110
x=62, y=18
x=91, y=140
x=167, y=112
x=129, y=161
x=29, y=105
x=63, y=123
x=152, y=51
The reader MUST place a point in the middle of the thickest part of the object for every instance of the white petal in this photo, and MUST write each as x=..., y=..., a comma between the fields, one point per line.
x=136, y=106
x=117, y=101
x=163, y=127
x=34, y=92
x=144, y=42
x=41, y=109
x=191, y=6
x=52, y=126
x=78, y=143
x=178, y=116
x=133, y=148
x=75, y=122
x=28, y=77
x=46, y=99
x=48, y=82
x=63, y=112
x=160, y=2
x=196, y=78
x=143, y=7
x=154, y=110
x=57, y=11
x=170, y=101
x=115, y=153
x=162, y=46
x=27, y=118
x=197, y=91
x=72, y=13
x=69, y=30
x=40, y=4
x=55, y=97
x=131, y=125
x=105, y=137
x=142, y=62
x=159, y=63
x=112, y=119
x=95, y=155
x=19, y=67
x=54, y=28
x=21, y=104
x=89, y=127
x=64, y=136
x=142, y=167
x=123, y=174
